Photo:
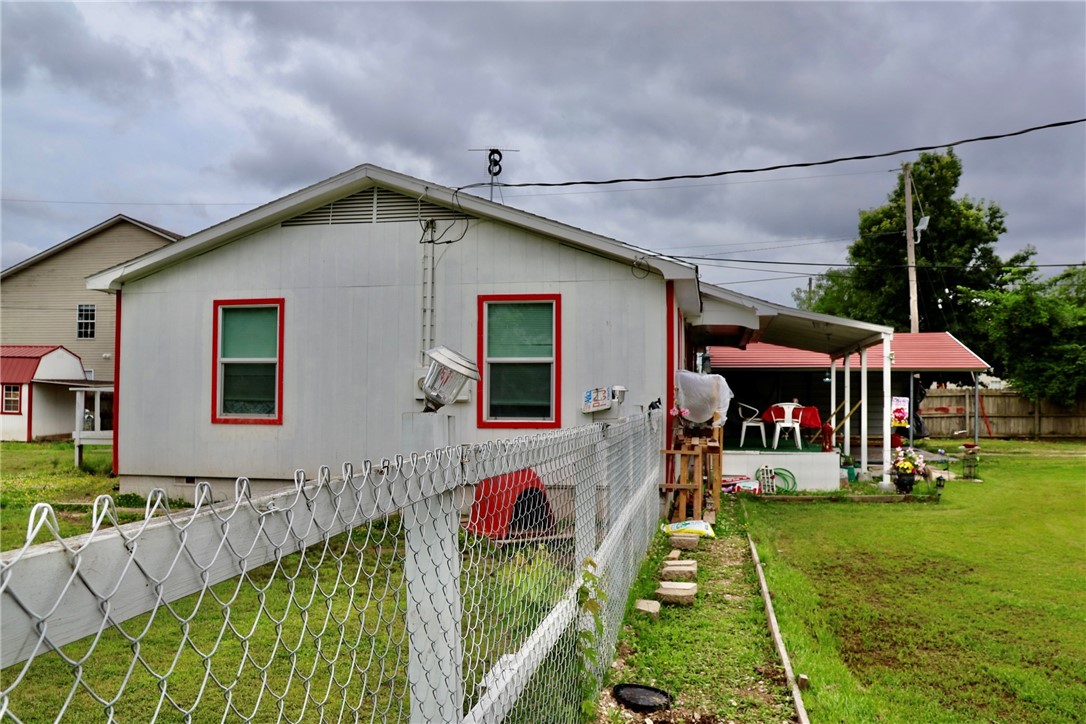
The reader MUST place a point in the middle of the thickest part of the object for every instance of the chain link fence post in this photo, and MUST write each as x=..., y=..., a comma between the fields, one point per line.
x=432, y=579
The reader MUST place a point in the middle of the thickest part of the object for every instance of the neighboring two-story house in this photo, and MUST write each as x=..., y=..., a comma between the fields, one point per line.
x=45, y=303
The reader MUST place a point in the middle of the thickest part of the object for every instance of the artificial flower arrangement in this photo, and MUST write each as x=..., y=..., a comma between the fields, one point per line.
x=908, y=462
x=677, y=411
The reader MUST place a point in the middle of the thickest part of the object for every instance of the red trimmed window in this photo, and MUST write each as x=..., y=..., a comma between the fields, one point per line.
x=247, y=382
x=520, y=353
x=13, y=399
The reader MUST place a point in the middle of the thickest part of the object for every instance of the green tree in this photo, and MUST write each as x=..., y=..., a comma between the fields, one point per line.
x=1037, y=329
x=957, y=250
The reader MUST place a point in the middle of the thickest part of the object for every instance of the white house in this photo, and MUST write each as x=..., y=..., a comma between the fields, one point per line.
x=37, y=401
x=293, y=335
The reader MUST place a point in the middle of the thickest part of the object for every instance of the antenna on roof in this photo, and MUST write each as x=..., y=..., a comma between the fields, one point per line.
x=494, y=163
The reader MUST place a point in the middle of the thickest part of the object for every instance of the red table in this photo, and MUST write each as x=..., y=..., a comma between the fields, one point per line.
x=808, y=416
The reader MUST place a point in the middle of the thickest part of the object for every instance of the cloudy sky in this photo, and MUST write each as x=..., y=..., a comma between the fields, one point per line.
x=183, y=115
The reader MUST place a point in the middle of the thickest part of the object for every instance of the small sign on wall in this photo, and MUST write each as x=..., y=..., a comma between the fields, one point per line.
x=596, y=399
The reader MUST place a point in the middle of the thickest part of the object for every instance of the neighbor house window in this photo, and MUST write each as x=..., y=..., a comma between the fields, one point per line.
x=13, y=399
x=84, y=321
x=519, y=352
x=247, y=385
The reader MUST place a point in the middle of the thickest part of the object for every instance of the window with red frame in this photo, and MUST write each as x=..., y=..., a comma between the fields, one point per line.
x=248, y=377
x=13, y=399
x=520, y=346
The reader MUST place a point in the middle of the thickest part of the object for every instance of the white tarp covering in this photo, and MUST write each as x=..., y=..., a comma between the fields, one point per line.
x=703, y=395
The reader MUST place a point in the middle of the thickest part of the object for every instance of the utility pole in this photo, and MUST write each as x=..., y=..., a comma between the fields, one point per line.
x=914, y=309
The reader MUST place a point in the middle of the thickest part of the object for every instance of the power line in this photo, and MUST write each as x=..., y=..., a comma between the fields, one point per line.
x=707, y=186
x=866, y=266
x=807, y=164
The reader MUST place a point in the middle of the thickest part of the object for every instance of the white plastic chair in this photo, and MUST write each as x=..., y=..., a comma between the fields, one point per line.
x=790, y=422
x=751, y=418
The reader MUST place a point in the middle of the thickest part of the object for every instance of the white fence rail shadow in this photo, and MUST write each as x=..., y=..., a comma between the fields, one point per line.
x=439, y=587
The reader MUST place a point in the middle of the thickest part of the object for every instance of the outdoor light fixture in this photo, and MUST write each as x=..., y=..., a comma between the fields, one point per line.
x=446, y=376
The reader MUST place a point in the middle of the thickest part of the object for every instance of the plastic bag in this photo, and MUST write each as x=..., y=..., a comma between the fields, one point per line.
x=689, y=527
x=703, y=395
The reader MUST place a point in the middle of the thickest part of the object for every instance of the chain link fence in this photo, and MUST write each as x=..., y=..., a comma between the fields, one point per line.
x=479, y=583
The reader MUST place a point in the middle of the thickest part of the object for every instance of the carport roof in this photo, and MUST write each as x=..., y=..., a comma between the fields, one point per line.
x=738, y=320
x=922, y=352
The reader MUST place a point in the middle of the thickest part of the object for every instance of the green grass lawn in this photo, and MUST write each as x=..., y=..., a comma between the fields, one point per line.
x=45, y=472
x=970, y=610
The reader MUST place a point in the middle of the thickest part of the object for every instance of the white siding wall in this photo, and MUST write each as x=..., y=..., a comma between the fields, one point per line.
x=59, y=365
x=352, y=325
x=54, y=410
x=13, y=427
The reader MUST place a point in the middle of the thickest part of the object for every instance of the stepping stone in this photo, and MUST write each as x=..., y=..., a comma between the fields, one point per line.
x=685, y=542
x=652, y=608
x=677, y=593
x=675, y=554
x=680, y=571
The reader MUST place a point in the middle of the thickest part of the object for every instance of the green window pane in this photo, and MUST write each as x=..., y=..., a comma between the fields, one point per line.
x=248, y=388
x=520, y=329
x=519, y=391
x=251, y=332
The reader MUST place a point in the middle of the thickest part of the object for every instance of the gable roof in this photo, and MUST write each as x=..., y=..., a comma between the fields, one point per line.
x=683, y=274
x=922, y=352
x=19, y=362
x=169, y=236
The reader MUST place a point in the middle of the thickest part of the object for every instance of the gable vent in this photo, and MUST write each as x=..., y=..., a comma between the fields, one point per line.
x=373, y=206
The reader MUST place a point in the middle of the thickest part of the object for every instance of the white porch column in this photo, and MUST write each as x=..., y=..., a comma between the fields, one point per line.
x=833, y=393
x=78, y=433
x=848, y=406
x=863, y=413
x=887, y=362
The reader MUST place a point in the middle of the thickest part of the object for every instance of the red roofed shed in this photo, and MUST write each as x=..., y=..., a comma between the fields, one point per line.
x=36, y=399
x=762, y=374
